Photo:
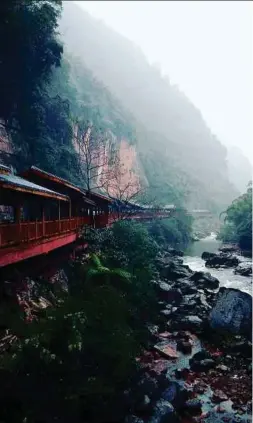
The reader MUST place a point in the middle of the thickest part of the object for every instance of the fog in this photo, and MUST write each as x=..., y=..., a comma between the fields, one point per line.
x=204, y=47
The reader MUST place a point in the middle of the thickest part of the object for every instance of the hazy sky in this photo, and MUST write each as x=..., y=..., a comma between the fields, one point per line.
x=205, y=47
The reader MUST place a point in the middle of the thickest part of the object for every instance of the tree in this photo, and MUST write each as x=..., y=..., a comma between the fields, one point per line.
x=26, y=63
x=238, y=221
x=96, y=154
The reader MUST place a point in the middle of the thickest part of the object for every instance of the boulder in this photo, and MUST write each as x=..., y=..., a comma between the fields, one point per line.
x=187, y=287
x=173, y=252
x=176, y=395
x=188, y=322
x=205, y=280
x=228, y=248
x=201, y=361
x=163, y=412
x=168, y=293
x=184, y=346
x=193, y=407
x=133, y=419
x=176, y=272
x=219, y=396
x=232, y=312
x=206, y=255
x=244, y=269
x=204, y=365
x=167, y=351
x=225, y=260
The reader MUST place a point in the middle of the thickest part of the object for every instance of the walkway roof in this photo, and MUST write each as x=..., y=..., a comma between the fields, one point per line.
x=16, y=183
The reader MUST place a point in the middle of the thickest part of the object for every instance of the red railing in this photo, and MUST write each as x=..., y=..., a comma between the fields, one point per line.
x=13, y=233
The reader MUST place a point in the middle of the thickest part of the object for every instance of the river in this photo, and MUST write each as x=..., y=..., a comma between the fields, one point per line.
x=226, y=277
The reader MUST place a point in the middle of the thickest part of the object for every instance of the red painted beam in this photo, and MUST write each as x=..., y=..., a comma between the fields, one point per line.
x=25, y=251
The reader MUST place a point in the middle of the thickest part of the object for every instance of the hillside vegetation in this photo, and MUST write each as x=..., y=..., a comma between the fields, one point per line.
x=238, y=221
x=171, y=133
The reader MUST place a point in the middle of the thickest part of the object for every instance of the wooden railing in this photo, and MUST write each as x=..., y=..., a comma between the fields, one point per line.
x=25, y=232
x=13, y=233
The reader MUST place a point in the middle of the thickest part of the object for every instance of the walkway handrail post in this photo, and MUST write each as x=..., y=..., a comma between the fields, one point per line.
x=43, y=220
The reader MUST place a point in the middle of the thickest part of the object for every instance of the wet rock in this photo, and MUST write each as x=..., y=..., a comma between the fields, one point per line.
x=174, y=252
x=147, y=386
x=219, y=396
x=203, y=365
x=192, y=322
x=206, y=255
x=226, y=260
x=133, y=419
x=187, y=287
x=169, y=294
x=205, y=280
x=163, y=412
x=228, y=248
x=201, y=355
x=202, y=361
x=184, y=346
x=174, y=271
x=167, y=351
x=241, y=348
x=168, y=260
x=165, y=312
x=165, y=335
x=232, y=312
x=244, y=269
x=193, y=407
x=143, y=406
x=176, y=395
x=182, y=373
x=222, y=368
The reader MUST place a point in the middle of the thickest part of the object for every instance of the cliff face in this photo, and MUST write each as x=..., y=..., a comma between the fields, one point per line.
x=175, y=149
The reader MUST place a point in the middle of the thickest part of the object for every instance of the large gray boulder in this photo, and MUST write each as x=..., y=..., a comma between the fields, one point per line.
x=232, y=312
x=204, y=280
x=225, y=260
x=244, y=269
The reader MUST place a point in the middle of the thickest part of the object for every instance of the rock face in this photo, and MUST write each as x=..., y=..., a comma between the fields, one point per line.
x=232, y=312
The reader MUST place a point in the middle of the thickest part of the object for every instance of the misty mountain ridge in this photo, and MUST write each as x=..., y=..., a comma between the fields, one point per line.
x=239, y=168
x=178, y=151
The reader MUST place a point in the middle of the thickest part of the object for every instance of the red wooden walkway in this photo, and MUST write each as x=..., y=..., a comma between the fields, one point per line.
x=71, y=209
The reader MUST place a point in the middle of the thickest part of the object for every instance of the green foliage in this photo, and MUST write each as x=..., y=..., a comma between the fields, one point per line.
x=238, y=221
x=129, y=246
x=29, y=50
x=77, y=355
x=173, y=231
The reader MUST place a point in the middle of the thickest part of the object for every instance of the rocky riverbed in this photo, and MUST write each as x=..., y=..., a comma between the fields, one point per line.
x=198, y=368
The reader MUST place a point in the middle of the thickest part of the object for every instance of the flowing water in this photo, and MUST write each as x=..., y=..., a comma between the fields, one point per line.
x=226, y=277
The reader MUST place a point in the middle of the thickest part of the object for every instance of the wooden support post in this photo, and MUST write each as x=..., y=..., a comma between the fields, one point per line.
x=59, y=215
x=17, y=219
x=43, y=220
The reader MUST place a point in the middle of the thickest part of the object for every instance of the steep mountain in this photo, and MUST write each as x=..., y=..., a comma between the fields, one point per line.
x=239, y=168
x=180, y=156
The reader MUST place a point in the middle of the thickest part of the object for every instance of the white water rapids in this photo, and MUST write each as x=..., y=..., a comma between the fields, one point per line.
x=226, y=277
